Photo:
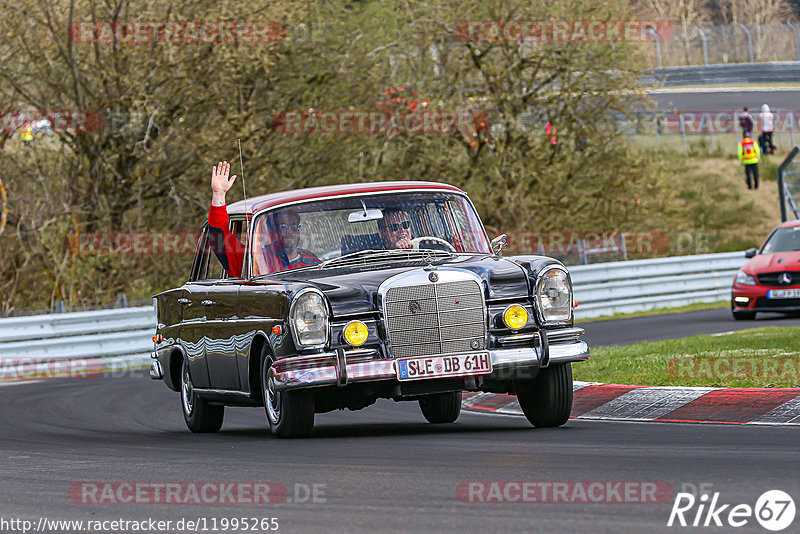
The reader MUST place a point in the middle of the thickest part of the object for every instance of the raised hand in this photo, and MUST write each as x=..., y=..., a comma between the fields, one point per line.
x=220, y=183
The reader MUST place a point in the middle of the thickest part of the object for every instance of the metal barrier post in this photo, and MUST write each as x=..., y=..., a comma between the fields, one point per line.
x=582, y=252
x=654, y=36
x=749, y=42
x=683, y=136
x=796, y=40
x=623, y=247
x=705, y=43
x=783, y=192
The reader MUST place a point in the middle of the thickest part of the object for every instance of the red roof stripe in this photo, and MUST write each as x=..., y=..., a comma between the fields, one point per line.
x=272, y=200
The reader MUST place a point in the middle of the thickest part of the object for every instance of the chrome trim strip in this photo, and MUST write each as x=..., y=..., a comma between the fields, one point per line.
x=569, y=352
x=565, y=334
x=156, y=372
x=385, y=369
x=515, y=338
x=230, y=392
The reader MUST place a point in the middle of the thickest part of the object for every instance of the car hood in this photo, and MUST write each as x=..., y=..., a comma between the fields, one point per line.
x=352, y=291
x=775, y=262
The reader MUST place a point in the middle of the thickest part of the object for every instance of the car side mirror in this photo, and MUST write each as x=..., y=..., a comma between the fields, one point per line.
x=750, y=252
x=499, y=243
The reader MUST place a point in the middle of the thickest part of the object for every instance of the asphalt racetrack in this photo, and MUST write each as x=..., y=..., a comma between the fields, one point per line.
x=380, y=469
x=726, y=100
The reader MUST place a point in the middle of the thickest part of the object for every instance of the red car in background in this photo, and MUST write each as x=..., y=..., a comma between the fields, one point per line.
x=770, y=281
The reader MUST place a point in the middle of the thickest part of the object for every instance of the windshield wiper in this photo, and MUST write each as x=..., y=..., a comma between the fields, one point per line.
x=352, y=256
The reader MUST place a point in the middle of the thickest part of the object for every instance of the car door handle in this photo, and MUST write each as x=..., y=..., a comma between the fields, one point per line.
x=184, y=301
x=207, y=303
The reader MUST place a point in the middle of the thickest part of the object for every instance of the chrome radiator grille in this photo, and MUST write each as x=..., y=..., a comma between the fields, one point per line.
x=435, y=318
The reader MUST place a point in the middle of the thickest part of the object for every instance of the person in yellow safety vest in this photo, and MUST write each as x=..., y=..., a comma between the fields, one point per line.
x=26, y=133
x=748, y=155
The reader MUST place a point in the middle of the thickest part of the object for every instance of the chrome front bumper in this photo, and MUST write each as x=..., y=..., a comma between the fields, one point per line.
x=332, y=367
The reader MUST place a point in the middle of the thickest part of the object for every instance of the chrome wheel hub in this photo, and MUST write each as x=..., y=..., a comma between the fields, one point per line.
x=272, y=399
x=187, y=391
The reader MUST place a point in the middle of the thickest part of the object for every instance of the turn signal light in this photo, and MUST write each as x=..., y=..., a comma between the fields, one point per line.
x=515, y=317
x=356, y=333
x=158, y=338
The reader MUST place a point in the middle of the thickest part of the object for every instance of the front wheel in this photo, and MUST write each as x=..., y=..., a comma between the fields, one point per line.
x=546, y=400
x=199, y=414
x=441, y=407
x=290, y=413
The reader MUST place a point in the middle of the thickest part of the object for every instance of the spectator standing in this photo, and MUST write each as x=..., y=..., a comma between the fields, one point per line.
x=746, y=122
x=767, y=127
x=748, y=155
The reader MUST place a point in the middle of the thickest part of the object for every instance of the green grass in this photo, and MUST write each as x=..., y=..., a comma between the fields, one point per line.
x=660, y=311
x=761, y=357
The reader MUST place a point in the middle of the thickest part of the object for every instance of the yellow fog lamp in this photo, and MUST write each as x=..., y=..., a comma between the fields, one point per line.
x=515, y=317
x=356, y=333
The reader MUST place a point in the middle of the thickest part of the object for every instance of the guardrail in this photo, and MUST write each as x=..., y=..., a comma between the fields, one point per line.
x=639, y=285
x=600, y=289
x=124, y=333
x=726, y=74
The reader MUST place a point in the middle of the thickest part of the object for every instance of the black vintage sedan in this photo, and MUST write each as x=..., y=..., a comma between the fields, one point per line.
x=352, y=293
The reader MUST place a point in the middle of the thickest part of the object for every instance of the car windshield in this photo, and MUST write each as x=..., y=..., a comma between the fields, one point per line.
x=310, y=233
x=783, y=240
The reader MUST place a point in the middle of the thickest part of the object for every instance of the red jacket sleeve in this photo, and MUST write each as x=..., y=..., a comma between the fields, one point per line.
x=228, y=249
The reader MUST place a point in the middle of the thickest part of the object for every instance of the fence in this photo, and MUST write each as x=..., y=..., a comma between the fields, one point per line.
x=737, y=43
x=789, y=186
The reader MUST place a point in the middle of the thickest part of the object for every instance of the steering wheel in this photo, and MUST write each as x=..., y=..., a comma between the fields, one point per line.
x=417, y=240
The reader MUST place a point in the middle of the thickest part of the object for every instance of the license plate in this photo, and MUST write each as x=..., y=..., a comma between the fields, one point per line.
x=476, y=363
x=783, y=294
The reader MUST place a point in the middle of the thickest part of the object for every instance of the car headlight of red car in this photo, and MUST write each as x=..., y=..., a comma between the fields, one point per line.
x=745, y=279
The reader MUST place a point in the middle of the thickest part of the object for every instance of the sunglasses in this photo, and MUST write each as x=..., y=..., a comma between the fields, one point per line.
x=283, y=227
x=394, y=227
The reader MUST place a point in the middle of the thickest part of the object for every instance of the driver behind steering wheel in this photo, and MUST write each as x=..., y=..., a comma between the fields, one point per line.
x=395, y=229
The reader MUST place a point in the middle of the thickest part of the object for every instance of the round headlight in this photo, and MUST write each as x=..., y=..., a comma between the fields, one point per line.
x=309, y=319
x=515, y=317
x=554, y=295
x=356, y=333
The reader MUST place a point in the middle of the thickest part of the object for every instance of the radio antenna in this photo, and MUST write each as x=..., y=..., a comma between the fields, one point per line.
x=241, y=165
